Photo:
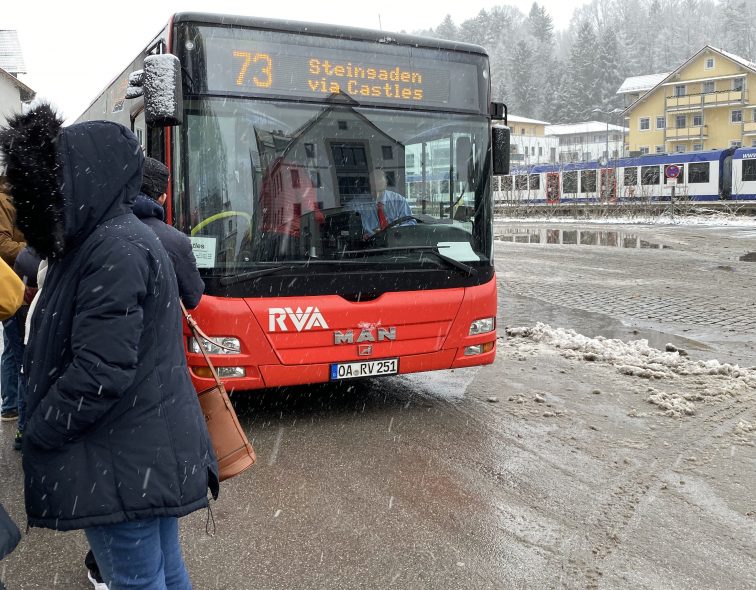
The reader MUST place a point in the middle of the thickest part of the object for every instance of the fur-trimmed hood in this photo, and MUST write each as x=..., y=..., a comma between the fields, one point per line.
x=65, y=181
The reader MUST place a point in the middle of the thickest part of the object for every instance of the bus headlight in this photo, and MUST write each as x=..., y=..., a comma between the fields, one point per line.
x=482, y=326
x=211, y=348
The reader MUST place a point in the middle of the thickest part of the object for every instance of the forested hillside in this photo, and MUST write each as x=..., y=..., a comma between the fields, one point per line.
x=560, y=72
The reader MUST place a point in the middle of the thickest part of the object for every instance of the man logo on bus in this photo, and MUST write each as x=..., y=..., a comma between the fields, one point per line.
x=301, y=320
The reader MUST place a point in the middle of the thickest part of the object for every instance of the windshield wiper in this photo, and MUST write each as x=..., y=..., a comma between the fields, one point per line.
x=234, y=279
x=466, y=268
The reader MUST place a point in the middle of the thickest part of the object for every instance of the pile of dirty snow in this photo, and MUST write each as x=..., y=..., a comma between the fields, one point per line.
x=691, y=381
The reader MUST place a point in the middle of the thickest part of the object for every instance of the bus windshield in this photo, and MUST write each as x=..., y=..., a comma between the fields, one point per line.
x=263, y=182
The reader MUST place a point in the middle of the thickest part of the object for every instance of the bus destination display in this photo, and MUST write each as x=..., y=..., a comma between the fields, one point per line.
x=271, y=67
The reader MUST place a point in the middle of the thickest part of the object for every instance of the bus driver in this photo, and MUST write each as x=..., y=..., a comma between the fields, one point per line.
x=385, y=206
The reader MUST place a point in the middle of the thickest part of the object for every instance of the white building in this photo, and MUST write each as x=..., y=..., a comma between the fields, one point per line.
x=636, y=86
x=529, y=142
x=591, y=140
x=14, y=94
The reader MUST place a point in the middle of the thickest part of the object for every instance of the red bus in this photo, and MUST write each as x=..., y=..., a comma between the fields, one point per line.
x=336, y=186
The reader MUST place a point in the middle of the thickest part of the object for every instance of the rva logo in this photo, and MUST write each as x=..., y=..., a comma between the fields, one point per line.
x=301, y=320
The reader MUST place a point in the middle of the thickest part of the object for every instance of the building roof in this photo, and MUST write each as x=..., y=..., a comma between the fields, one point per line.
x=27, y=93
x=11, y=58
x=517, y=119
x=585, y=127
x=641, y=83
x=706, y=48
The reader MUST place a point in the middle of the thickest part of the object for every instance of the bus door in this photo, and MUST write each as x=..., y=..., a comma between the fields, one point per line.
x=725, y=175
x=552, y=188
x=608, y=184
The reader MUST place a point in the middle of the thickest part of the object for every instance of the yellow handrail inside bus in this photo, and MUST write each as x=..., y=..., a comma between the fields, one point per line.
x=197, y=228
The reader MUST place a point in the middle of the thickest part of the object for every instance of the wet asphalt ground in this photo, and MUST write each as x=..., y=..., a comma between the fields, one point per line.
x=517, y=475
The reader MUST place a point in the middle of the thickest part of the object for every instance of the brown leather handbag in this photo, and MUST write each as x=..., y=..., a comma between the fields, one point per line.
x=232, y=449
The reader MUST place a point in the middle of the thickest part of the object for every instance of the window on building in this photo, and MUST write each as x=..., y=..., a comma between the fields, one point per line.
x=586, y=156
x=698, y=172
x=521, y=182
x=570, y=182
x=681, y=121
x=753, y=143
x=650, y=175
x=749, y=170
x=738, y=84
x=535, y=182
x=409, y=160
x=659, y=149
x=736, y=143
x=522, y=131
x=644, y=124
x=540, y=150
x=587, y=181
x=697, y=147
x=643, y=150
x=388, y=152
x=631, y=176
x=660, y=122
x=679, y=149
x=680, y=90
x=697, y=120
x=709, y=87
x=532, y=150
x=709, y=63
x=315, y=178
x=736, y=116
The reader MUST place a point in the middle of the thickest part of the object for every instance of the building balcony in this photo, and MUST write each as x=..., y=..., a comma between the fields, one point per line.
x=683, y=133
x=749, y=128
x=695, y=102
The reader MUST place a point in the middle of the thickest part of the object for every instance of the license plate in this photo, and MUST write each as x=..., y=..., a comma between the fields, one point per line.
x=364, y=369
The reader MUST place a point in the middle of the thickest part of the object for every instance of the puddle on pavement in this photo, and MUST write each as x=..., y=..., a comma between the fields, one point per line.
x=578, y=237
x=750, y=257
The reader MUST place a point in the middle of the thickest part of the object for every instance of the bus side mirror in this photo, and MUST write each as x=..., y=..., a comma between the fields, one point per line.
x=500, y=148
x=160, y=83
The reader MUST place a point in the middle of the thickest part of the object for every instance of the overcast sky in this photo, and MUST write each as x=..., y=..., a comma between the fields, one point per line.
x=73, y=49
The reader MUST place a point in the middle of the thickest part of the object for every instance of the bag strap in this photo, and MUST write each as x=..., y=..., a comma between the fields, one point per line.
x=199, y=335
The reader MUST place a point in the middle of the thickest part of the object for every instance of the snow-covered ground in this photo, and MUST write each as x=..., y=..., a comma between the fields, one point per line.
x=676, y=383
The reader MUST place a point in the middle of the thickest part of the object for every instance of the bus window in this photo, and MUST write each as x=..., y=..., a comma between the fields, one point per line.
x=506, y=183
x=521, y=182
x=534, y=182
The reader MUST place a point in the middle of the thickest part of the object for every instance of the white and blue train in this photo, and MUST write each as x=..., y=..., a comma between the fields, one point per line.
x=728, y=174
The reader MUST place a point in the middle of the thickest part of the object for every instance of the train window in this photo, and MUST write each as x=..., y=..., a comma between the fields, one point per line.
x=506, y=183
x=631, y=176
x=588, y=181
x=749, y=170
x=535, y=181
x=569, y=182
x=650, y=175
x=521, y=182
x=698, y=172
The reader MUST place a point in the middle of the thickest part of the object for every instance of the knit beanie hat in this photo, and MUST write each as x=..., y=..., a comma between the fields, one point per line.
x=154, y=178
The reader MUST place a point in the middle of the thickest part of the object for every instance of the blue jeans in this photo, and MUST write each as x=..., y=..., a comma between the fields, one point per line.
x=140, y=554
x=13, y=340
x=9, y=368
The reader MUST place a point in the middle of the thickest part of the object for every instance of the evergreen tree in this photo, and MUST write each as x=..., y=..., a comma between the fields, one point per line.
x=610, y=71
x=447, y=29
x=583, y=73
x=540, y=24
x=523, y=91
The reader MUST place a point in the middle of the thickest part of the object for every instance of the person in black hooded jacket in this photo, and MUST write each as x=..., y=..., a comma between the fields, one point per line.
x=148, y=207
x=115, y=443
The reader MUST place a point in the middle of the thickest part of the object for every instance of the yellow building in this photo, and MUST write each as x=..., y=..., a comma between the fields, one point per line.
x=704, y=104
